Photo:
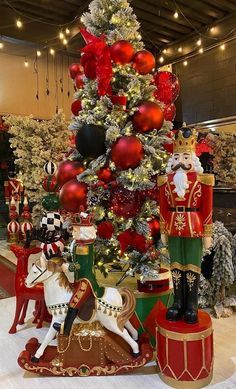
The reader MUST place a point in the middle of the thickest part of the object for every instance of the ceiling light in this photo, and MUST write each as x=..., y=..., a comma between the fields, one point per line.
x=213, y=129
x=222, y=46
x=26, y=63
x=19, y=23
x=200, y=50
x=199, y=42
x=180, y=49
x=52, y=51
x=65, y=41
x=176, y=15
x=161, y=59
x=185, y=63
x=1, y=45
x=67, y=31
x=212, y=29
x=61, y=35
x=39, y=53
x=164, y=51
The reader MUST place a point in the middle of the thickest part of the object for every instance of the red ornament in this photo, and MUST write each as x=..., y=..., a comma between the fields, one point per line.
x=76, y=107
x=74, y=69
x=169, y=112
x=143, y=62
x=154, y=226
x=132, y=239
x=148, y=117
x=50, y=184
x=124, y=202
x=122, y=52
x=127, y=152
x=73, y=195
x=105, y=230
x=79, y=83
x=87, y=57
x=90, y=69
x=167, y=87
x=169, y=146
x=105, y=174
x=67, y=170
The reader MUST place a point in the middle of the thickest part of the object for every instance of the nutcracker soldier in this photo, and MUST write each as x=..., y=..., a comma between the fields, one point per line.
x=186, y=197
x=13, y=188
x=85, y=283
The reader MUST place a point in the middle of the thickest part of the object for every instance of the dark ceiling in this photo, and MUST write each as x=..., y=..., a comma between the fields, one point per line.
x=158, y=26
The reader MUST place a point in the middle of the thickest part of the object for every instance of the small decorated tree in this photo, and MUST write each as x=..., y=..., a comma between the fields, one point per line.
x=34, y=143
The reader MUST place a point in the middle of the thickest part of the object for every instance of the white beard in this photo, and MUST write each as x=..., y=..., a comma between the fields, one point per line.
x=181, y=182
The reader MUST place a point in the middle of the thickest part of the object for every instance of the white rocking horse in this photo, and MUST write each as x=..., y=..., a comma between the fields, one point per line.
x=112, y=312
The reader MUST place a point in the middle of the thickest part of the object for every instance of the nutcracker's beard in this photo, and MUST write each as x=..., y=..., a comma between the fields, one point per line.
x=181, y=182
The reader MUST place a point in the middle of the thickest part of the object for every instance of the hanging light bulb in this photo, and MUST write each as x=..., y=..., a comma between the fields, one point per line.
x=199, y=42
x=185, y=63
x=161, y=59
x=19, y=23
x=65, y=41
x=26, y=63
x=61, y=35
x=180, y=49
x=67, y=31
x=52, y=51
x=1, y=45
x=212, y=29
x=39, y=53
x=222, y=46
x=200, y=50
x=164, y=51
x=176, y=15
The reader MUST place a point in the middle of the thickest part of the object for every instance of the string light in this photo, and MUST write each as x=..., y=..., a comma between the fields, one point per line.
x=180, y=49
x=61, y=35
x=199, y=42
x=164, y=51
x=67, y=31
x=212, y=29
x=1, y=45
x=19, y=23
x=185, y=63
x=39, y=53
x=65, y=41
x=176, y=15
x=52, y=51
x=26, y=63
x=200, y=50
x=222, y=46
x=161, y=59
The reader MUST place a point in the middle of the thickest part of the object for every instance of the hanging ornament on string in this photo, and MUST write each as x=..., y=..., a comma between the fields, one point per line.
x=50, y=184
x=144, y=62
x=149, y=116
x=73, y=195
x=167, y=87
x=50, y=168
x=122, y=52
x=127, y=152
x=67, y=170
x=47, y=76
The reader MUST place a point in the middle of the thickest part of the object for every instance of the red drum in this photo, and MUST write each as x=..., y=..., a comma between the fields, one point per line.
x=156, y=286
x=185, y=351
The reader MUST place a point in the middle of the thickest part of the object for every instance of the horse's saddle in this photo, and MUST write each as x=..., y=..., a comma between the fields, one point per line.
x=85, y=312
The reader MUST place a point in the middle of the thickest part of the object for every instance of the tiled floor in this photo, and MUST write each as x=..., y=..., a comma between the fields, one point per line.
x=13, y=377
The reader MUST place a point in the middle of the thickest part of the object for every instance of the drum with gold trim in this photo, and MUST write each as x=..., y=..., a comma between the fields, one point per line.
x=185, y=351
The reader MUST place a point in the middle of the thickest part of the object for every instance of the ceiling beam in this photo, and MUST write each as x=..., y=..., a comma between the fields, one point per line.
x=43, y=7
x=33, y=12
x=200, y=7
x=223, y=5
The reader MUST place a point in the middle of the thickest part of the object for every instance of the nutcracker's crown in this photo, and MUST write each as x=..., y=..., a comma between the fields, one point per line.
x=85, y=220
x=185, y=140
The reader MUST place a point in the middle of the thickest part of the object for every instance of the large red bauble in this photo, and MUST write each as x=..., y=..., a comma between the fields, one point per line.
x=122, y=52
x=168, y=87
x=127, y=152
x=143, y=62
x=79, y=83
x=147, y=117
x=105, y=230
x=74, y=69
x=105, y=174
x=73, y=195
x=124, y=202
x=169, y=112
x=67, y=170
x=76, y=107
x=90, y=69
x=154, y=226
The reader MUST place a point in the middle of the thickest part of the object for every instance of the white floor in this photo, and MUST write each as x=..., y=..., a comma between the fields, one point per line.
x=13, y=377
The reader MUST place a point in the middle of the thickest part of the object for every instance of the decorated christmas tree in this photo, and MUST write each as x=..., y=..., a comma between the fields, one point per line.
x=122, y=116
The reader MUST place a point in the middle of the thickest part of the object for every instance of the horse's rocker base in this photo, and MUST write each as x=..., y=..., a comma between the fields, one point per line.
x=185, y=351
x=86, y=353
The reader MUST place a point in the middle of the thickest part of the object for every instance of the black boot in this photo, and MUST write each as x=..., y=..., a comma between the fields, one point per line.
x=70, y=317
x=191, y=303
x=175, y=312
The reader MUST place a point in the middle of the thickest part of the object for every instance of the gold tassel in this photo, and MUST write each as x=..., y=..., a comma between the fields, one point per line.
x=66, y=310
x=115, y=314
x=105, y=311
x=110, y=313
x=55, y=312
x=99, y=307
x=60, y=311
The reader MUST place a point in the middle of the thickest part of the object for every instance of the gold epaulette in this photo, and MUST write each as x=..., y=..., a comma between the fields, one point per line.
x=161, y=180
x=206, y=179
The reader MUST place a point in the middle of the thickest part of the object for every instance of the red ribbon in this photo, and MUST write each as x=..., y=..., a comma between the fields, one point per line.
x=133, y=239
x=98, y=47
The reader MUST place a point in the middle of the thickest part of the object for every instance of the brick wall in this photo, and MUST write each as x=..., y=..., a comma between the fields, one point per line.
x=208, y=85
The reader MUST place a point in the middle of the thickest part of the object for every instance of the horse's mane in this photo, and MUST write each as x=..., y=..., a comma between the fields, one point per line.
x=55, y=267
x=64, y=282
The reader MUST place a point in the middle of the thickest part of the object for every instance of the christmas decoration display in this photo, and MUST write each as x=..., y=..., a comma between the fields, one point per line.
x=51, y=202
x=75, y=69
x=76, y=107
x=68, y=170
x=120, y=132
x=90, y=141
x=13, y=226
x=79, y=83
x=186, y=218
x=50, y=184
x=13, y=188
x=223, y=148
x=169, y=112
x=167, y=87
x=26, y=225
x=34, y=144
x=104, y=313
x=73, y=195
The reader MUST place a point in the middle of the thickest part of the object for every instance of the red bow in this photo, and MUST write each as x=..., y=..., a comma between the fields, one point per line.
x=98, y=47
x=133, y=239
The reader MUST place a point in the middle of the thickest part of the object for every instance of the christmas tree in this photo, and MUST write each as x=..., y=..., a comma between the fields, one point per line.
x=120, y=129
